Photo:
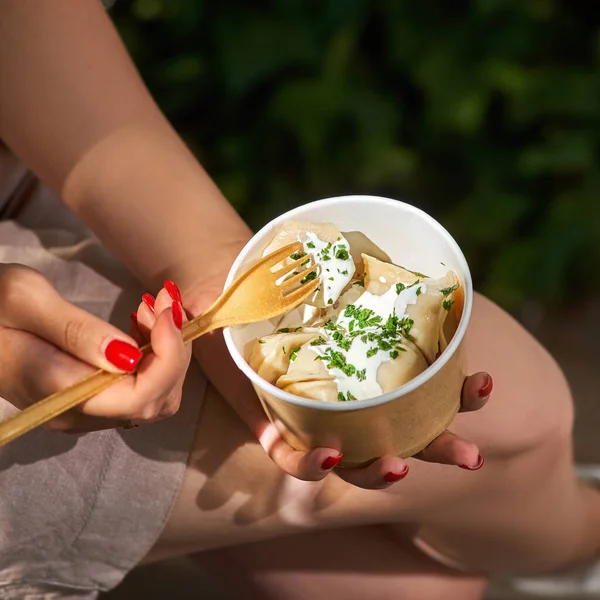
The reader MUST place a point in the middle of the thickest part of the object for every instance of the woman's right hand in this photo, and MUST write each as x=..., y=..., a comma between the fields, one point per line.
x=47, y=344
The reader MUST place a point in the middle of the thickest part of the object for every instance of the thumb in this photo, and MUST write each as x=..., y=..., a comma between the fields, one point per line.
x=76, y=332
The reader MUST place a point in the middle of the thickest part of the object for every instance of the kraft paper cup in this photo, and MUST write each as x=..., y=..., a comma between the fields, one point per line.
x=401, y=422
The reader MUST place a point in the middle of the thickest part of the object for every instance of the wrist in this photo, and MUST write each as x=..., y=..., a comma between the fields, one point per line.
x=200, y=293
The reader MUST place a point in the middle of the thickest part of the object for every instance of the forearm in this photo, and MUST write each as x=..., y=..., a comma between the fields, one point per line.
x=79, y=116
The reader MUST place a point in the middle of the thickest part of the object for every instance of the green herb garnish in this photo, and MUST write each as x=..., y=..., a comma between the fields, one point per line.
x=310, y=245
x=309, y=277
x=447, y=304
x=297, y=255
x=447, y=291
x=294, y=353
x=342, y=253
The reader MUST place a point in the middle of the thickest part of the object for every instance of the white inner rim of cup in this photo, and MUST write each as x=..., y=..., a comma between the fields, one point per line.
x=407, y=388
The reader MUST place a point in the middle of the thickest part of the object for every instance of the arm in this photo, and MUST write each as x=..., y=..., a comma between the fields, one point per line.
x=78, y=114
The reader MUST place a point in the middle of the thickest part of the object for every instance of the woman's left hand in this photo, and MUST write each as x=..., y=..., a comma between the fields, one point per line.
x=211, y=353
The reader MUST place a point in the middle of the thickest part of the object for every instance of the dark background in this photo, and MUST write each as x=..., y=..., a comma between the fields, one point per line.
x=485, y=113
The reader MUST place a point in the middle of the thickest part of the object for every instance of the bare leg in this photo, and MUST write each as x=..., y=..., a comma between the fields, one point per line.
x=523, y=510
x=353, y=564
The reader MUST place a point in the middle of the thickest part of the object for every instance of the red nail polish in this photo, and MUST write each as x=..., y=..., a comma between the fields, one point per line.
x=149, y=301
x=331, y=461
x=475, y=467
x=391, y=477
x=173, y=290
x=134, y=318
x=486, y=390
x=122, y=355
x=177, y=314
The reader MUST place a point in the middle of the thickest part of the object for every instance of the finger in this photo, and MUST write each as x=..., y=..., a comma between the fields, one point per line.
x=476, y=391
x=134, y=330
x=379, y=475
x=156, y=389
x=449, y=449
x=307, y=466
x=32, y=304
x=146, y=317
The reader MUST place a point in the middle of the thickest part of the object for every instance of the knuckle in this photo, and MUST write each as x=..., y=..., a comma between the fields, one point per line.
x=170, y=409
x=73, y=334
x=148, y=412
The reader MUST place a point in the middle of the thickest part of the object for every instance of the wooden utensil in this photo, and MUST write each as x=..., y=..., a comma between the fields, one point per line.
x=260, y=293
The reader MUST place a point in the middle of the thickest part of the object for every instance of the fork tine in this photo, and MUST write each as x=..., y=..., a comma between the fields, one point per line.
x=297, y=264
x=288, y=283
x=278, y=255
x=302, y=293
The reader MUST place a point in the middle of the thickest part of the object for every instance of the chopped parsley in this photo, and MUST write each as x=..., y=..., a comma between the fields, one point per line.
x=303, y=264
x=394, y=354
x=294, y=353
x=342, y=253
x=309, y=277
x=319, y=341
x=400, y=287
x=262, y=341
x=360, y=282
x=372, y=352
x=361, y=374
x=310, y=245
x=297, y=255
x=336, y=360
x=447, y=291
x=447, y=304
x=289, y=330
x=347, y=398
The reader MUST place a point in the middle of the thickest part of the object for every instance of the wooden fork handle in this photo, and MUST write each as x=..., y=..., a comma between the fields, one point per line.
x=58, y=403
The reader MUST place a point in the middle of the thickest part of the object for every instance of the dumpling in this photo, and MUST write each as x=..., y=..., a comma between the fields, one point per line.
x=307, y=376
x=430, y=311
x=269, y=356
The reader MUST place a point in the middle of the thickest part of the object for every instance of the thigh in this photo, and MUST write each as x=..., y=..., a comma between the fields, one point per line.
x=524, y=508
x=353, y=564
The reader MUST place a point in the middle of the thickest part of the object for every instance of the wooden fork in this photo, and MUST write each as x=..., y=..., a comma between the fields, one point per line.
x=261, y=293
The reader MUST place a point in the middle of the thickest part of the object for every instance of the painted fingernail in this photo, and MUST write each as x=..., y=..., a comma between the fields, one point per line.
x=149, y=301
x=122, y=355
x=173, y=290
x=177, y=314
x=486, y=390
x=331, y=461
x=391, y=477
x=474, y=467
x=134, y=318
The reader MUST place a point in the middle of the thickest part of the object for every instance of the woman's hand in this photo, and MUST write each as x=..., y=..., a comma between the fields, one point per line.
x=212, y=355
x=47, y=344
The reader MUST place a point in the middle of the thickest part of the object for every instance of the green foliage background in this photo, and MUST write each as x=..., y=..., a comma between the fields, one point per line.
x=486, y=113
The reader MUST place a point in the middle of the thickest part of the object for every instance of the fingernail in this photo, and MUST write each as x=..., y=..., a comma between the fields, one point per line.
x=331, y=461
x=134, y=318
x=173, y=290
x=177, y=314
x=391, y=477
x=122, y=355
x=476, y=466
x=486, y=390
x=149, y=301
